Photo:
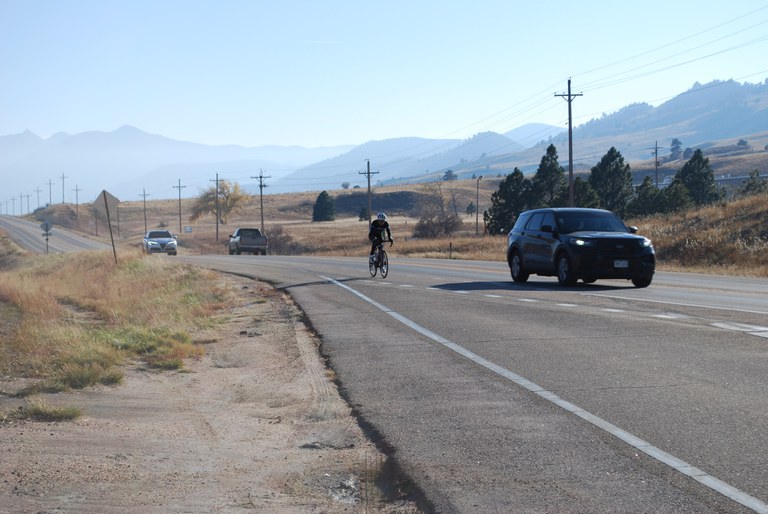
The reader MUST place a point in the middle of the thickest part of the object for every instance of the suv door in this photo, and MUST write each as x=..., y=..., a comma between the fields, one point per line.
x=530, y=243
x=547, y=243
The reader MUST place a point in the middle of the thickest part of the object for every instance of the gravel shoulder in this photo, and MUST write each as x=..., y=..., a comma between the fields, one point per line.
x=256, y=424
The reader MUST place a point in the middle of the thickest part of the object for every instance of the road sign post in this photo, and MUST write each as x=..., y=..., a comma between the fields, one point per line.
x=47, y=226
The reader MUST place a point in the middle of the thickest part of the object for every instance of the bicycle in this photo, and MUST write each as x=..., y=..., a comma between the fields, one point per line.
x=380, y=260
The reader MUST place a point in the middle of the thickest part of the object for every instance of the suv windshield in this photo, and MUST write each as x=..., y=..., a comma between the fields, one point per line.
x=160, y=234
x=589, y=222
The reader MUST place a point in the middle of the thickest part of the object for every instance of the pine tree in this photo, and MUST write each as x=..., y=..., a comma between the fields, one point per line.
x=699, y=179
x=508, y=202
x=612, y=181
x=325, y=208
x=549, y=187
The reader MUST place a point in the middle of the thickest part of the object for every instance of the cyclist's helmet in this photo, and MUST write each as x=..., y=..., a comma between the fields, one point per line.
x=381, y=216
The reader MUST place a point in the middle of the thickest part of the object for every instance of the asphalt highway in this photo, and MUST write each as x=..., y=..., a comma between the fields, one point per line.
x=30, y=235
x=498, y=397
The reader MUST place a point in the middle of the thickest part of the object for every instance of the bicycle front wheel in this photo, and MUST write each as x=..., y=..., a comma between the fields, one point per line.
x=372, y=265
x=384, y=268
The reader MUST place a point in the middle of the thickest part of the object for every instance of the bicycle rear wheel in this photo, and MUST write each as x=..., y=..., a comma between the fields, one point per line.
x=384, y=267
x=372, y=265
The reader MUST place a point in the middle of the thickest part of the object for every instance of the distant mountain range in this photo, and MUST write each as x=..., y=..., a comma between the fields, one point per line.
x=129, y=162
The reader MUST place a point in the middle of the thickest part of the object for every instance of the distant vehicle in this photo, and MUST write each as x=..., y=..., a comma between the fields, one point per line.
x=248, y=240
x=159, y=241
x=573, y=244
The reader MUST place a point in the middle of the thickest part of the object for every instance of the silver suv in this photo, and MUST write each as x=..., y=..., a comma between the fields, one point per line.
x=159, y=241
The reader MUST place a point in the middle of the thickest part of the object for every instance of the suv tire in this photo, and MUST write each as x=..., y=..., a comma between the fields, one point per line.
x=516, y=268
x=642, y=281
x=565, y=274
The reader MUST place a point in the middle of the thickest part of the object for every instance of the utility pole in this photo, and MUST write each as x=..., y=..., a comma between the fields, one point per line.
x=655, y=154
x=261, y=178
x=477, y=207
x=218, y=214
x=21, y=203
x=62, y=187
x=27, y=197
x=38, y=190
x=50, y=192
x=569, y=98
x=144, y=195
x=13, y=206
x=179, y=187
x=368, y=175
x=77, y=201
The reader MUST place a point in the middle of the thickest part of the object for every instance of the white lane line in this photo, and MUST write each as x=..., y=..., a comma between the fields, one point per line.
x=740, y=327
x=670, y=460
x=681, y=304
x=612, y=310
x=530, y=300
x=668, y=316
x=753, y=330
x=566, y=305
x=493, y=296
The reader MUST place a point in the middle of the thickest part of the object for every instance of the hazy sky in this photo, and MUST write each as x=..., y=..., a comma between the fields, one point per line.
x=328, y=72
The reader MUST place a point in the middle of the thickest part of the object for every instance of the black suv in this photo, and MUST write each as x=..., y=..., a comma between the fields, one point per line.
x=573, y=244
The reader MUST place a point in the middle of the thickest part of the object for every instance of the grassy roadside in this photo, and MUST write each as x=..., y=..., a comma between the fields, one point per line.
x=68, y=321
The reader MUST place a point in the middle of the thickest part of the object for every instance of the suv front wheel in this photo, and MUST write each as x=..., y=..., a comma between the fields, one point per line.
x=516, y=268
x=565, y=274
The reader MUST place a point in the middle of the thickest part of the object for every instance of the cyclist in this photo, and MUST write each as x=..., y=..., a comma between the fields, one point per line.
x=376, y=233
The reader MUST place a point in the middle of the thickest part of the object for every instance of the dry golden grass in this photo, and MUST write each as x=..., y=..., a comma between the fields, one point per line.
x=72, y=319
x=37, y=410
x=729, y=238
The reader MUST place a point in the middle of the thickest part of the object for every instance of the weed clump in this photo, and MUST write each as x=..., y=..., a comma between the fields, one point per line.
x=37, y=410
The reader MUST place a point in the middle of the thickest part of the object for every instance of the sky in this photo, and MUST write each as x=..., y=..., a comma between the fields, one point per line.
x=331, y=72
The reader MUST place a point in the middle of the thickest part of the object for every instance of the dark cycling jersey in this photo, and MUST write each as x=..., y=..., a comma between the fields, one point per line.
x=378, y=227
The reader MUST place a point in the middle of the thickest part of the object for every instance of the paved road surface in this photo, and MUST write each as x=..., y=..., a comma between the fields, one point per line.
x=502, y=398
x=30, y=235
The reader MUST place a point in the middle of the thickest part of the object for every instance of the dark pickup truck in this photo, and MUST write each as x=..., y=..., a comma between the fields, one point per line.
x=248, y=240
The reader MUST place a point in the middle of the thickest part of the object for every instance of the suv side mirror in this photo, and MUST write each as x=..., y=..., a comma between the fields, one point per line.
x=632, y=229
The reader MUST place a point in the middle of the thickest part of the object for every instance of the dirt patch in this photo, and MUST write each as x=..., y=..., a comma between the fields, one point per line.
x=255, y=424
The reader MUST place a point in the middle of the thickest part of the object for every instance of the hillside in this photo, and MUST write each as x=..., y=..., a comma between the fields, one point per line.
x=128, y=162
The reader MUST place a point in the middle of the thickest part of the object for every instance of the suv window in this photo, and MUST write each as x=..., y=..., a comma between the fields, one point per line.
x=548, y=222
x=591, y=222
x=535, y=223
x=521, y=221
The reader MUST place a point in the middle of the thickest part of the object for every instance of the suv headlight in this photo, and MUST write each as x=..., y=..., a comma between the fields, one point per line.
x=645, y=243
x=578, y=241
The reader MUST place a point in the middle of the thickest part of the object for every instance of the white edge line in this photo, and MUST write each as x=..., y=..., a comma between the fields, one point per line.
x=670, y=460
